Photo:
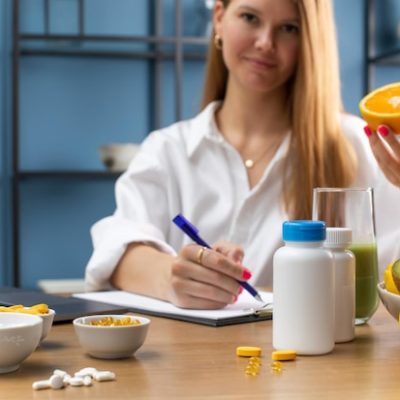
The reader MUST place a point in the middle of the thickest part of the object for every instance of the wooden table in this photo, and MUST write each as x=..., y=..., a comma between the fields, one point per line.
x=186, y=361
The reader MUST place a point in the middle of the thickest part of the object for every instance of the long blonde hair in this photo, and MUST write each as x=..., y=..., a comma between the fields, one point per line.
x=319, y=154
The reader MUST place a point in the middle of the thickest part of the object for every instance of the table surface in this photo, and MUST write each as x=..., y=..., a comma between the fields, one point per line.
x=180, y=360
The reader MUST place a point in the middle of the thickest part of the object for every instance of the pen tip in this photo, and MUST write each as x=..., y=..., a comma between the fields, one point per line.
x=259, y=298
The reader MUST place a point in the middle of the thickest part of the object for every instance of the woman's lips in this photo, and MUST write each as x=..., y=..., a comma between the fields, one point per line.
x=261, y=63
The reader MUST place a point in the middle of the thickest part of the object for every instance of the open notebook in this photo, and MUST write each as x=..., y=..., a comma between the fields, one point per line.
x=246, y=309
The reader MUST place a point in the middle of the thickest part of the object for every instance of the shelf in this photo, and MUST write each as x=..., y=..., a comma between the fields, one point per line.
x=391, y=57
x=194, y=40
x=135, y=55
x=67, y=174
x=84, y=46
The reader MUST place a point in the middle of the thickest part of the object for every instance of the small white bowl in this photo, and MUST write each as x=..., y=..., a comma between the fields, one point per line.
x=390, y=300
x=117, y=156
x=47, y=323
x=111, y=342
x=19, y=336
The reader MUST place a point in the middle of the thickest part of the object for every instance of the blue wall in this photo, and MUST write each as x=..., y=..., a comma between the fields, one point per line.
x=70, y=106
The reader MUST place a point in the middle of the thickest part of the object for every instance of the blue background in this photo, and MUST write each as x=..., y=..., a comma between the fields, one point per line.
x=69, y=106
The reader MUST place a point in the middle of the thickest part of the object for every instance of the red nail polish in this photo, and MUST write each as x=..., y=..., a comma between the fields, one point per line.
x=383, y=130
x=240, y=290
x=246, y=274
x=367, y=130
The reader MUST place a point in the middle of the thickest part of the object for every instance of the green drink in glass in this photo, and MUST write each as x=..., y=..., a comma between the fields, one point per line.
x=354, y=208
x=366, y=280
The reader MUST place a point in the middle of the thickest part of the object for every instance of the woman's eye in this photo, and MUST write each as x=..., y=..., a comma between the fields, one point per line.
x=290, y=28
x=250, y=18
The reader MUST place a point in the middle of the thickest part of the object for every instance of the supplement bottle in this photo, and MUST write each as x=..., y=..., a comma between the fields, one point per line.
x=337, y=240
x=303, y=286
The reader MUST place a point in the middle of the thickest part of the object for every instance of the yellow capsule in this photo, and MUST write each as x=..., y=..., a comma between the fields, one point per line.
x=41, y=308
x=284, y=355
x=15, y=307
x=248, y=351
x=276, y=366
x=110, y=321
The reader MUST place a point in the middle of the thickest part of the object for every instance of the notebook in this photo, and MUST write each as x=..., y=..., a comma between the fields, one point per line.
x=246, y=309
x=66, y=308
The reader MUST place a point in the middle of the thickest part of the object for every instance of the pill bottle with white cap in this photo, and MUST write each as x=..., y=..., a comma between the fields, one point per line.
x=303, y=286
x=337, y=241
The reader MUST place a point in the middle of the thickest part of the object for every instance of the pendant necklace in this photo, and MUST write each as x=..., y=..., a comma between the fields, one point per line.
x=250, y=162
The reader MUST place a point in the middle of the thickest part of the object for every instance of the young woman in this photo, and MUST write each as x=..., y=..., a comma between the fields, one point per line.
x=271, y=130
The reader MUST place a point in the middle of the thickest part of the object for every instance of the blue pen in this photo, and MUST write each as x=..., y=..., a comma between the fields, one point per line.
x=193, y=233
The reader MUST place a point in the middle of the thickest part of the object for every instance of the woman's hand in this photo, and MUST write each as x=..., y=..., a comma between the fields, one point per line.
x=203, y=278
x=386, y=150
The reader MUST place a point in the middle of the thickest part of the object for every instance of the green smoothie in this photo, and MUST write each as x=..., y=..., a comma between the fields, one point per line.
x=366, y=280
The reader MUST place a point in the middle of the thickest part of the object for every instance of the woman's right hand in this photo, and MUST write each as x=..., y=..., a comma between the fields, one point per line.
x=386, y=149
x=203, y=278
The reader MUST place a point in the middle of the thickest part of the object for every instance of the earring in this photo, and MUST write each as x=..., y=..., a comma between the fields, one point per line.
x=218, y=42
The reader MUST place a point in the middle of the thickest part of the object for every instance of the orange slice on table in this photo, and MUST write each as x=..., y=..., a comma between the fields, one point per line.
x=382, y=107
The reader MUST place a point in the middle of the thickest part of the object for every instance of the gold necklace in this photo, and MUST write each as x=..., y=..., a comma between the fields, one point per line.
x=250, y=162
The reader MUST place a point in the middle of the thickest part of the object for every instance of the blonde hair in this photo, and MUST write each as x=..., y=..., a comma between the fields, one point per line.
x=319, y=153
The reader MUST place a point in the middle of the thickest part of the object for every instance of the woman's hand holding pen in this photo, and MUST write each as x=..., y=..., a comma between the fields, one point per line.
x=386, y=149
x=205, y=278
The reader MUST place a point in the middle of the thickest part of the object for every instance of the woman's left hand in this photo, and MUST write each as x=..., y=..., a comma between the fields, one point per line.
x=386, y=149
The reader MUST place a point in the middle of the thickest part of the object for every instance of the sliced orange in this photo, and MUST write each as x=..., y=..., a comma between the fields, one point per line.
x=390, y=284
x=382, y=107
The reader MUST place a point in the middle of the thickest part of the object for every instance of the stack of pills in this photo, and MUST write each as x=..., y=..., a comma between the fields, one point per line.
x=254, y=363
x=253, y=366
x=83, y=377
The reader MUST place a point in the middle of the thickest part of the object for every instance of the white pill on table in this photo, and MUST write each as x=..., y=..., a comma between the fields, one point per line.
x=66, y=378
x=102, y=376
x=60, y=372
x=87, y=380
x=56, y=382
x=38, y=385
x=76, y=381
x=86, y=371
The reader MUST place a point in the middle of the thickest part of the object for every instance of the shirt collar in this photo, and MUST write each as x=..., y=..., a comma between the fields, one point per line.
x=204, y=127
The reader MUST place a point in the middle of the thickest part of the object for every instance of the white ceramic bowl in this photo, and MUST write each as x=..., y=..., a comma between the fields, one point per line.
x=390, y=300
x=111, y=341
x=47, y=323
x=117, y=156
x=19, y=336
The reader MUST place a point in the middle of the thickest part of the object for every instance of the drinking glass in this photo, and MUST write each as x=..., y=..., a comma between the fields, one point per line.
x=354, y=208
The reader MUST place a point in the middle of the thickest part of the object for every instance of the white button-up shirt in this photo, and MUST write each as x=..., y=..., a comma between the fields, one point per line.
x=190, y=168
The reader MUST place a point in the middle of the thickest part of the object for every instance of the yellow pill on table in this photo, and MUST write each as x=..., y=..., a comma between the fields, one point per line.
x=284, y=355
x=248, y=351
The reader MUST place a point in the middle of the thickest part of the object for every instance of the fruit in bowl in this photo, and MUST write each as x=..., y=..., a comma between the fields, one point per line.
x=389, y=289
x=391, y=277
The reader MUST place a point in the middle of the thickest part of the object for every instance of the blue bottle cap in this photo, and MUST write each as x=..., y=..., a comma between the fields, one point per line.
x=303, y=231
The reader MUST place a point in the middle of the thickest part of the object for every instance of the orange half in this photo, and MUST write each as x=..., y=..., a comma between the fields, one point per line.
x=382, y=107
x=389, y=281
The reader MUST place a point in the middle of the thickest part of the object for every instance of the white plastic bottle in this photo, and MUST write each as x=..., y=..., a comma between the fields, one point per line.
x=337, y=240
x=303, y=285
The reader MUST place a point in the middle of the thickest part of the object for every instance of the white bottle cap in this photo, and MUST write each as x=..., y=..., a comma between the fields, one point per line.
x=338, y=237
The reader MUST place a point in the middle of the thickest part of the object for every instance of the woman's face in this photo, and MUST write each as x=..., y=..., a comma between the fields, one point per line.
x=261, y=40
